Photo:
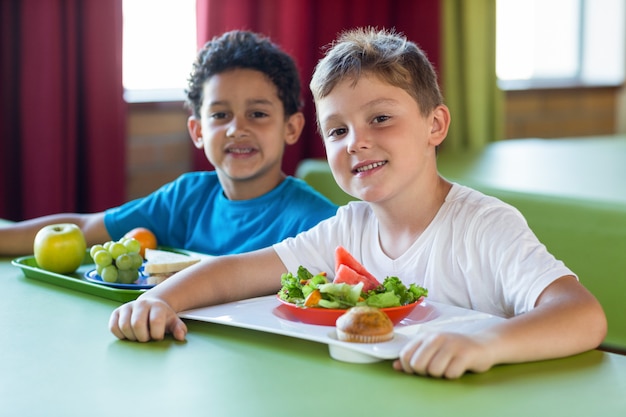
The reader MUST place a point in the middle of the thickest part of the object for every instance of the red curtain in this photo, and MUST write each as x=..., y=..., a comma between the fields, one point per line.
x=303, y=27
x=62, y=120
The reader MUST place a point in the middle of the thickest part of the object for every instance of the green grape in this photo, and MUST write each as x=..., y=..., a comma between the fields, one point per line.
x=124, y=262
x=137, y=260
x=109, y=273
x=102, y=258
x=94, y=249
x=118, y=261
x=132, y=245
x=127, y=276
x=117, y=249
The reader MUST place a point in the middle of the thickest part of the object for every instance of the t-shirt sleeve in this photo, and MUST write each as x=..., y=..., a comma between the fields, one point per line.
x=315, y=248
x=310, y=248
x=155, y=211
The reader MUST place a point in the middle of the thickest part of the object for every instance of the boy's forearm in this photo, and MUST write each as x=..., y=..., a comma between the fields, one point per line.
x=220, y=280
x=562, y=324
x=14, y=242
x=18, y=238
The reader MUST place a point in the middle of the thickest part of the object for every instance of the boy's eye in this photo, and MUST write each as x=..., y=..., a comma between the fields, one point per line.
x=381, y=119
x=218, y=115
x=337, y=132
x=258, y=114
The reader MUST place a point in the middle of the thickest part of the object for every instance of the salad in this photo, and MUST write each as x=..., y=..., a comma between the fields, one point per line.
x=307, y=290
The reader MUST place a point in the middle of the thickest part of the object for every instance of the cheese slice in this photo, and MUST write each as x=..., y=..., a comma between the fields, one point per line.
x=163, y=262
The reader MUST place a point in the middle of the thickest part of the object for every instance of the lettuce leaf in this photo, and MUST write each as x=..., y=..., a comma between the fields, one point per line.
x=383, y=300
x=291, y=290
x=391, y=293
x=345, y=295
x=406, y=295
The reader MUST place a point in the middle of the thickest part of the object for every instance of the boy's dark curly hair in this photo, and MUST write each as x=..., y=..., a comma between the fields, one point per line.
x=247, y=50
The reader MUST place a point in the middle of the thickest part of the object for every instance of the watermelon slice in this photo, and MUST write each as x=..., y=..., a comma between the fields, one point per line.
x=350, y=271
x=347, y=275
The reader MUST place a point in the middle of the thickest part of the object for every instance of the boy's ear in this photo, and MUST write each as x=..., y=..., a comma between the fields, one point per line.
x=293, y=128
x=440, y=124
x=195, y=131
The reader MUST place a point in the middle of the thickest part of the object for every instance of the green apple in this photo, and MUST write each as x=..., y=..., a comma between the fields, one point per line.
x=60, y=248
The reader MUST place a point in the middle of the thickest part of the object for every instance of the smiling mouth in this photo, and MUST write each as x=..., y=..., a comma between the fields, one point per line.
x=240, y=151
x=368, y=167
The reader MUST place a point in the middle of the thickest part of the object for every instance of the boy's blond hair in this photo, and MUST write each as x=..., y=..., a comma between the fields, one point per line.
x=384, y=54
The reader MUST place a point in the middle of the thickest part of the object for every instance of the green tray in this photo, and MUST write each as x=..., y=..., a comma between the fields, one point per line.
x=77, y=281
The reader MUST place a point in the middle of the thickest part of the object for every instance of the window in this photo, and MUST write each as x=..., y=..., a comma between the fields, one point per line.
x=159, y=47
x=560, y=42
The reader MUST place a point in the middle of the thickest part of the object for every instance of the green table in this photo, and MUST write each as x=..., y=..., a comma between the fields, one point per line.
x=57, y=358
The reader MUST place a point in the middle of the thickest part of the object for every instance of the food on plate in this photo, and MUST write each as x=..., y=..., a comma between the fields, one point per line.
x=145, y=237
x=161, y=264
x=364, y=324
x=316, y=291
x=118, y=261
x=60, y=248
x=350, y=271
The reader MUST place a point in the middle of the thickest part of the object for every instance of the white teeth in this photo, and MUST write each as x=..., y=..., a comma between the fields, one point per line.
x=240, y=150
x=370, y=166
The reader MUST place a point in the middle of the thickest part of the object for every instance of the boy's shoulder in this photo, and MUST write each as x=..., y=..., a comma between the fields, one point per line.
x=197, y=177
x=467, y=195
x=463, y=201
x=191, y=182
x=299, y=188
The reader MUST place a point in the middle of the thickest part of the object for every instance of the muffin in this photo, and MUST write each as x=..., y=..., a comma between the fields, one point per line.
x=364, y=324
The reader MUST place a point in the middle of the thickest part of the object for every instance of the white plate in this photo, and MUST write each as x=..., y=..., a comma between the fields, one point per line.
x=269, y=315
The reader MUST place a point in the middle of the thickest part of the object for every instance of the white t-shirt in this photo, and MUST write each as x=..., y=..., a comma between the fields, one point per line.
x=477, y=253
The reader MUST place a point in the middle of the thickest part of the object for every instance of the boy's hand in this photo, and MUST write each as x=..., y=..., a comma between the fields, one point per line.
x=444, y=355
x=146, y=319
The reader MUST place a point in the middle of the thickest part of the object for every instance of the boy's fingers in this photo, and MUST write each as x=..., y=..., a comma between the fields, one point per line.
x=120, y=323
x=134, y=323
x=143, y=321
x=157, y=322
x=114, y=325
x=179, y=330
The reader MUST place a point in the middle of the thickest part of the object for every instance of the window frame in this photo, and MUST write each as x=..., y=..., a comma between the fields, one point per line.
x=577, y=80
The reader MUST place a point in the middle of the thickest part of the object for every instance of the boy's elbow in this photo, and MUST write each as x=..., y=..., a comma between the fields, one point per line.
x=595, y=325
x=600, y=325
x=590, y=322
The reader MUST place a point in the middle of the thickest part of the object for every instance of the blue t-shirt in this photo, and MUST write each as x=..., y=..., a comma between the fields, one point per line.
x=193, y=213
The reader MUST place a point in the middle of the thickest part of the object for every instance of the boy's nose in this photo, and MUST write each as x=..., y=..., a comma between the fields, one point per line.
x=236, y=128
x=357, y=141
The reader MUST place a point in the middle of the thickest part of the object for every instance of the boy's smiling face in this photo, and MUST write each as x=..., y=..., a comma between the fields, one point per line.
x=243, y=129
x=378, y=143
